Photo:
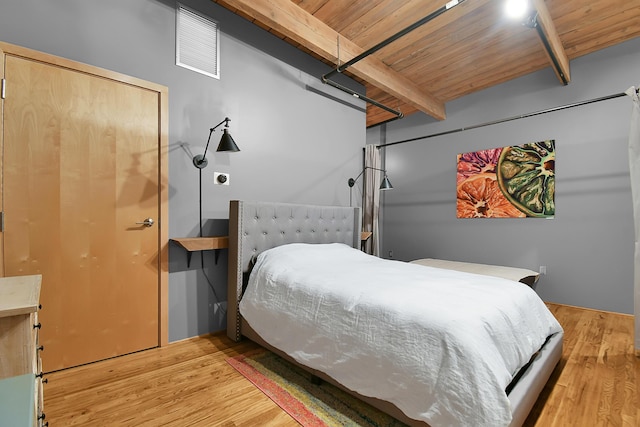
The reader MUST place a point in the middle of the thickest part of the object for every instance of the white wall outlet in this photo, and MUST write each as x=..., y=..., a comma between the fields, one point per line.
x=221, y=178
x=543, y=269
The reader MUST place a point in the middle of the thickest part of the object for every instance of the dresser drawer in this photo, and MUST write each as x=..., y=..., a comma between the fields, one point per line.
x=17, y=404
x=20, y=364
x=16, y=345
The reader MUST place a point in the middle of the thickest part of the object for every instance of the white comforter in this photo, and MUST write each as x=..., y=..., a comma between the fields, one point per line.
x=439, y=344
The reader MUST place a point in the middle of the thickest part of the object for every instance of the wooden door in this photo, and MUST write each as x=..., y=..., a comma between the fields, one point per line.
x=81, y=171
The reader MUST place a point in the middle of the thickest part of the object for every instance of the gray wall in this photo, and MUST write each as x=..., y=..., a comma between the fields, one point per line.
x=297, y=146
x=588, y=247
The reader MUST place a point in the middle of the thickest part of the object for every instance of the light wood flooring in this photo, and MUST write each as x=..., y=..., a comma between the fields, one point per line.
x=189, y=383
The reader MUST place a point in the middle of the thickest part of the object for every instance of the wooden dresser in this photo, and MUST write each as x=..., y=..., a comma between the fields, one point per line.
x=20, y=366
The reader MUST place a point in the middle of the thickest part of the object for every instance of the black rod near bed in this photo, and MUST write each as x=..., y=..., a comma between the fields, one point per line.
x=258, y=227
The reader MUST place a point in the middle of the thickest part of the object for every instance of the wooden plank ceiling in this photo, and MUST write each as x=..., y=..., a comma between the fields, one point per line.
x=471, y=46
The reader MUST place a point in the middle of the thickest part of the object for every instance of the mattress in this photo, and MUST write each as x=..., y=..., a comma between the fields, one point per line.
x=439, y=344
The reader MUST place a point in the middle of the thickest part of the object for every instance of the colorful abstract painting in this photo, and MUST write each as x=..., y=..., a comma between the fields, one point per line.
x=509, y=182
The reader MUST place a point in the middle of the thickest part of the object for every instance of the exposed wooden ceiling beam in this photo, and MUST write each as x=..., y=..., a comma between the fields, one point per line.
x=287, y=18
x=555, y=44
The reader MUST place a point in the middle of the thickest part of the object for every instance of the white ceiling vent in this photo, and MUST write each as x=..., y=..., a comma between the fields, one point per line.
x=197, y=42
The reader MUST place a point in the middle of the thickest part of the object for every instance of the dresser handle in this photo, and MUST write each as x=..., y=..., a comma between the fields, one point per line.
x=41, y=375
x=37, y=326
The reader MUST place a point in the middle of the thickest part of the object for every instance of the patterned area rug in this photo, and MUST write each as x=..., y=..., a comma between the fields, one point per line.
x=311, y=404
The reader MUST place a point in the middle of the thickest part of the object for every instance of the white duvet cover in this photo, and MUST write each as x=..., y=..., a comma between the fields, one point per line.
x=439, y=344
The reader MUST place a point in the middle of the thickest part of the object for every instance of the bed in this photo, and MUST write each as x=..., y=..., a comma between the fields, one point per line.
x=259, y=231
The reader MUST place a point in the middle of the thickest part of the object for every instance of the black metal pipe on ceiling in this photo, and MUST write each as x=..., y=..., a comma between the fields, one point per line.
x=508, y=119
x=340, y=68
x=532, y=22
x=552, y=55
x=359, y=96
x=396, y=36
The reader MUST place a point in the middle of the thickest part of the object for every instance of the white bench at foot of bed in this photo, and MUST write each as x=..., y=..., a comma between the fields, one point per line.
x=528, y=277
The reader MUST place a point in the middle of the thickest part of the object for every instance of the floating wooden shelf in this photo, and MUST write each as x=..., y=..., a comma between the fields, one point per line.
x=192, y=244
x=364, y=236
x=203, y=243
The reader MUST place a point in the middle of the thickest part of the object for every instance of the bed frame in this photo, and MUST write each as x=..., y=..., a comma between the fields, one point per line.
x=257, y=226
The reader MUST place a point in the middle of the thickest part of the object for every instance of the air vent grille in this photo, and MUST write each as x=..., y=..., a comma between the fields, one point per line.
x=197, y=42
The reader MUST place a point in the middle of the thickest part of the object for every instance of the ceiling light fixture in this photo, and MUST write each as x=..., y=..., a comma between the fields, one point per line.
x=516, y=9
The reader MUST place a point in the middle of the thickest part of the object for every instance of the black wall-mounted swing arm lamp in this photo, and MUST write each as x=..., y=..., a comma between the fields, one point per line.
x=226, y=144
x=200, y=160
x=384, y=185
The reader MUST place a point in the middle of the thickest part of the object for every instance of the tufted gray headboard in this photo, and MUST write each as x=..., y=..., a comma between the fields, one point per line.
x=257, y=226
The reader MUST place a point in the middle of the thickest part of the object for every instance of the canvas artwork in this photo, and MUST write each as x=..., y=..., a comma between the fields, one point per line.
x=517, y=181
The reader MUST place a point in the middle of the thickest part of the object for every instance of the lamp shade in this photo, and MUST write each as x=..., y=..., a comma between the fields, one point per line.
x=227, y=143
x=385, y=184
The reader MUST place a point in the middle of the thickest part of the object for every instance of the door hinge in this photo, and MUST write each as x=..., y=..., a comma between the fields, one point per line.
x=1, y=221
x=2, y=88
